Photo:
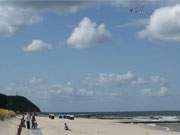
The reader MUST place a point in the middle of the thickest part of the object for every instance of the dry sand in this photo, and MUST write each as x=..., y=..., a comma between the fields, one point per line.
x=9, y=127
x=81, y=127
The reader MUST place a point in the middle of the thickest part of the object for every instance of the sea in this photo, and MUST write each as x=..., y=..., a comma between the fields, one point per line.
x=163, y=120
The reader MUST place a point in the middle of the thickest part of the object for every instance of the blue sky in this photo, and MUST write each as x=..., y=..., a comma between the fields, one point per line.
x=98, y=57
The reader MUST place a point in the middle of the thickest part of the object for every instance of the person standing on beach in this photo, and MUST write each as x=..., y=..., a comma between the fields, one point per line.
x=22, y=124
x=33, y=121
x=28, y=119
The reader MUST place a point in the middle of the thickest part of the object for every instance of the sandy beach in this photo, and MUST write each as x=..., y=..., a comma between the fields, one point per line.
x=9, y=127
x=81, y=127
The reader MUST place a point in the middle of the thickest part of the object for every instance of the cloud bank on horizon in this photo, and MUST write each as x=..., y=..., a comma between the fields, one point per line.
x=92, y=87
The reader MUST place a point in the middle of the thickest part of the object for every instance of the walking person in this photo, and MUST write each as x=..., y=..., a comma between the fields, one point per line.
x=28, y=119
x=21, y=125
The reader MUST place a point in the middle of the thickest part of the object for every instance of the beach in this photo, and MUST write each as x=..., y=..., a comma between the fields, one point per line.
x=9, y=127
x=81, y=126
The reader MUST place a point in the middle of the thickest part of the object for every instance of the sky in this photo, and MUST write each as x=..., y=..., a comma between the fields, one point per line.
x=87, y=56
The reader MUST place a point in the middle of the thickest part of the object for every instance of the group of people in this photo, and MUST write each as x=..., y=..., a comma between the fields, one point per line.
x=27, y=121
x=30, y=120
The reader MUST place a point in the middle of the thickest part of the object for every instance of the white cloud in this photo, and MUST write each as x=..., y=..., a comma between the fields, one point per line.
x=62, y=89
x=164, y=24
x=13, y=19
x=119, y=3
x=127, y=82
x=162, y=91
x=142, y=2
x=111, y=79
x=102, y=86
x=88, y=34
x=37, y=45
x=25, y=13
x=139, y=81
x=158, y=80
x=35, y=80
x=85, y=92
x=58, y=6
x=16, y=14
x=129, y=78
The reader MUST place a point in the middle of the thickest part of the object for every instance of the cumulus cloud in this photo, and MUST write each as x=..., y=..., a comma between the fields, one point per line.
x=13, y=19
x=153, y=92
x=164, y=24
x=88, y=34
x=25, y=12
x=37, y=45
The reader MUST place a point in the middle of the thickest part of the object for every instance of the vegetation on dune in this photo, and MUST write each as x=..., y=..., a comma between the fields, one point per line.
x=17, y=104
x=5, y=114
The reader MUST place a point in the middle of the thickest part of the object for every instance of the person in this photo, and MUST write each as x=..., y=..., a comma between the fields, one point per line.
x=33, y=121
x=28, y=118
x=21, y=125
x=66, y=127
x=19, y=130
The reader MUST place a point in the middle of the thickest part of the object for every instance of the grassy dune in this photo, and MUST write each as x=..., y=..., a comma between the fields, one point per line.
x=5, y=114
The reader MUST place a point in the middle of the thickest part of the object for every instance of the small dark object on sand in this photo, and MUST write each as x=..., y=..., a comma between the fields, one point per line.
x=66, y=127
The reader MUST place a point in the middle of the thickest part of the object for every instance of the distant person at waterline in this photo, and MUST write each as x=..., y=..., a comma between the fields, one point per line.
x=28, y=119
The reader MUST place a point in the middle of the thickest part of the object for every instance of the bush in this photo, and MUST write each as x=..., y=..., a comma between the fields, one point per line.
x=5, y=114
